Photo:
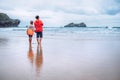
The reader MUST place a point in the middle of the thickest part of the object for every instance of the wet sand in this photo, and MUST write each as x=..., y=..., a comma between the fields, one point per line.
x=59, y=59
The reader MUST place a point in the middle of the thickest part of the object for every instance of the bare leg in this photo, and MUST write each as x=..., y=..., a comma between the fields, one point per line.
x=30, y=41
x=38, y=41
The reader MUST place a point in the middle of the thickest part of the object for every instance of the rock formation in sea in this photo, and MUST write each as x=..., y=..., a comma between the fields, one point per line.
x=82, y=24
x=6, y=21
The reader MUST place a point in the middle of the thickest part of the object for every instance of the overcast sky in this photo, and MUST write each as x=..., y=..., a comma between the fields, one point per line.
x=61, y=12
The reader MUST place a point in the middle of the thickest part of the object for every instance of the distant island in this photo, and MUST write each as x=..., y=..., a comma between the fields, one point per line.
x=5, y=21
x=82, y=24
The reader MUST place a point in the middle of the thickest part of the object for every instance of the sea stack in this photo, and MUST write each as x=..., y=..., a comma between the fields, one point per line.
x=82, y=24
x=6, y=21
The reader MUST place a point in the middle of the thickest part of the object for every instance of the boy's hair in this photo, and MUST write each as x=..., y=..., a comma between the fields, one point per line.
x=37, y=17
x=31, y=22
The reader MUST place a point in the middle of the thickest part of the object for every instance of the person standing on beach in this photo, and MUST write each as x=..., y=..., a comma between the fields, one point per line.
x=30, y=32
x=38, y=29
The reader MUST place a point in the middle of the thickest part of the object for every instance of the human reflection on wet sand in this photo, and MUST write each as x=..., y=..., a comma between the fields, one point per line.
x=36, y=59
x=31, y=55
x=39, y=59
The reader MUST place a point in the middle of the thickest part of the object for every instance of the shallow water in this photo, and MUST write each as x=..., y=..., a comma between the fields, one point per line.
x=66, y=54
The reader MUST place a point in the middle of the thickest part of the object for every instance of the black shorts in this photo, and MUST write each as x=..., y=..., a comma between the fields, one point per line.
x=39, y=34
x=30, y=36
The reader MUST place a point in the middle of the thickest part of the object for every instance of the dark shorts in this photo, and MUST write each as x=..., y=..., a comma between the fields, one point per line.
x=39, y=34
x=30, y=36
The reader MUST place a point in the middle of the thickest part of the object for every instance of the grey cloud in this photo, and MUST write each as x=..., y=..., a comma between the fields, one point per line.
x=113, y=11
x=6, y=8
x=110, y=7
x=73, y=11
x=118, y=1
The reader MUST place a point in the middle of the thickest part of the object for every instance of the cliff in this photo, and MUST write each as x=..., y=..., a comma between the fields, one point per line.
x=76, y=25
x=5, y=21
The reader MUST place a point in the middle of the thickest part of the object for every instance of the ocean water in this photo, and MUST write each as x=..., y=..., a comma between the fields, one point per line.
x=100, y=33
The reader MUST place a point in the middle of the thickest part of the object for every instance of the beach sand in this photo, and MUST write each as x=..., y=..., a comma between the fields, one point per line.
x=59, y=59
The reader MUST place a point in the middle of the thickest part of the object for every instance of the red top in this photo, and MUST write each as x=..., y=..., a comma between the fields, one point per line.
x=38, y=25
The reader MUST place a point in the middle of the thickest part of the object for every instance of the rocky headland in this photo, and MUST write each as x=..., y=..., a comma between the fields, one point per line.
x=6, y=21
x=82, y=24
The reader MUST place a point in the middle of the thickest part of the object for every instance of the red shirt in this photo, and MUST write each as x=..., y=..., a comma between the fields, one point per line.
x=38, y=25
